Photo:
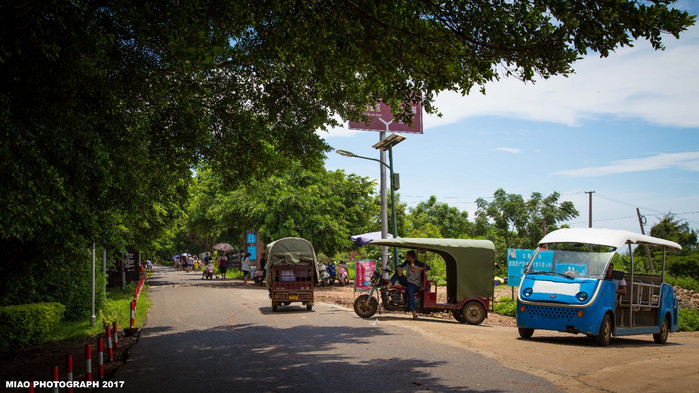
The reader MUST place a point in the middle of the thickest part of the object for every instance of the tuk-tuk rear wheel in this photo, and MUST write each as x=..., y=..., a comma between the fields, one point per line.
x=473, y=312
x=274, y=306
x=661, y=338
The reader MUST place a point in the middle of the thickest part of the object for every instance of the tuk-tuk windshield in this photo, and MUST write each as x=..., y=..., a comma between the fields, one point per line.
x=571, y=260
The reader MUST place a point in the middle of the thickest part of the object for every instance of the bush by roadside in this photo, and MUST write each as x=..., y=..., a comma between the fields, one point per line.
x=28, y=324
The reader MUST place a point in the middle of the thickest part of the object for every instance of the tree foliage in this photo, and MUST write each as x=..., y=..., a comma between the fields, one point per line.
x=437, y=218
x=512, y=222
x=686, y=261
x=324, y=207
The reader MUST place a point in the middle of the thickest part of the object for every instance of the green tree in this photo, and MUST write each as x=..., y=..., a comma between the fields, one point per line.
x=686, y=261
x=512, y=222
x=446, y=221
x=324, y=207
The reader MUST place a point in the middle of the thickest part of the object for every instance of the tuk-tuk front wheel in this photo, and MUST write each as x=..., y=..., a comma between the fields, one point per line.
x=473, y=312
x=366, y=306
x=525, y=332
x=604, y=336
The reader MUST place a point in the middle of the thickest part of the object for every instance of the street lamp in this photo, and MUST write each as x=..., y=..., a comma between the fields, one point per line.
x=386, y=144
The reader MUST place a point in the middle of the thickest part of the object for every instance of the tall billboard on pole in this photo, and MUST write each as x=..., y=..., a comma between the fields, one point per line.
x=382, y=120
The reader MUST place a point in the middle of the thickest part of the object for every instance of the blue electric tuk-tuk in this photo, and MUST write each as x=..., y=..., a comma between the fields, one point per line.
x=566, y=287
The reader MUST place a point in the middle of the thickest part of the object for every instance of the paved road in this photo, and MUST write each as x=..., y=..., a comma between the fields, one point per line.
x=221, y=336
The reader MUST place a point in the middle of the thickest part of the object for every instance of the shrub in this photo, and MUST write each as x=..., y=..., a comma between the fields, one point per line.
x=688, y=320
x=506, y=306
x=28, y=323
x=684, y=282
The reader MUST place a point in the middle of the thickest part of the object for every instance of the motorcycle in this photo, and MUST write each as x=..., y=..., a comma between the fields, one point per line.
x=259, y=276
x=332, y=274
x=208, y=272
x=342, y=273
x=324, y=274
x=394, y=299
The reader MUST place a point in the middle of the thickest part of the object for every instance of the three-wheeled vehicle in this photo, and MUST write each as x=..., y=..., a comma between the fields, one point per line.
x=565, y=287
x=469, y=267
x=292, y=272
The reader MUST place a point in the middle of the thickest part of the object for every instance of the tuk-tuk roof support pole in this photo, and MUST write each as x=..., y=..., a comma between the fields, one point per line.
x=393, y=207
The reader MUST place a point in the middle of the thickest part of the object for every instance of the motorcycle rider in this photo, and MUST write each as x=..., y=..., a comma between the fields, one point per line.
x=411, y=280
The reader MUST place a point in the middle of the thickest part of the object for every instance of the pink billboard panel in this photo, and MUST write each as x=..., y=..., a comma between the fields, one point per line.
x=364, y=268
x=382, y=120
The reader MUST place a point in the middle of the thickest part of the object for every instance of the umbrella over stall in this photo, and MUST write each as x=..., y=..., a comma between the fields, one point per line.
x=223, y=247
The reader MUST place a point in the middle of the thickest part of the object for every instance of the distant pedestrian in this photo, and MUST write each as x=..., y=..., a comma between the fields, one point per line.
x=245, y=267
x=223, y=265
x=263, y=264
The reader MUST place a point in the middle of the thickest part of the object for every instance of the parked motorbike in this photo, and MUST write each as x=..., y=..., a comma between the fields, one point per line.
x=342, y=273
x=324, y=274
x=208, y=272
x=394, y=299
x=259, y=277
x=332, y=273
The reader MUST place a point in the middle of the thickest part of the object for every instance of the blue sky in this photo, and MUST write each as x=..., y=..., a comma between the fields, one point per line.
x=625, y=126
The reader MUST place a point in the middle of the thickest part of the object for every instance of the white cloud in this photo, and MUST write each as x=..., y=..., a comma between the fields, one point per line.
x=656, y=86
x=687, y=161
x=508, y=149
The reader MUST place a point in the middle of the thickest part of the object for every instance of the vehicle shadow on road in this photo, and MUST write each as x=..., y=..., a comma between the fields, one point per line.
x=248, y=357
x=580, y=340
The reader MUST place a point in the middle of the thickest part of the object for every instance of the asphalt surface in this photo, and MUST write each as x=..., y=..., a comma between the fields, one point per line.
x=222, y=336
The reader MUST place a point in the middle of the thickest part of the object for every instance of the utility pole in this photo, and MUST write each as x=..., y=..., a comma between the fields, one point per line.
x=590, y=221
x=641, y=222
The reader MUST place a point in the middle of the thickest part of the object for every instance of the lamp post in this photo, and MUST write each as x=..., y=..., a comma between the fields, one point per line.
x=386, y=144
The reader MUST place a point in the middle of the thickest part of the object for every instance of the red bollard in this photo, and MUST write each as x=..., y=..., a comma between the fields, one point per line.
x=88, y=362
x=109, y=344
x=54, y=377
x=69, y=372
x=115, y=334
x=133, y=314
x=100, y=357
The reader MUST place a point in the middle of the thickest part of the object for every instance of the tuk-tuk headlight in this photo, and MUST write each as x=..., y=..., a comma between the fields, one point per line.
x=527, y=292
x=581, y=296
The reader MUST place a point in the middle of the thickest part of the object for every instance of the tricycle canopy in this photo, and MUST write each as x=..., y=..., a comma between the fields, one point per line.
x=291, y=251
x=470, y=263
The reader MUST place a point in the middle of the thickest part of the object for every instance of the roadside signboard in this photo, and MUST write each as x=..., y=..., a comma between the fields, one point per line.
x=364, y=268
x=517, y=260
x=382, y=120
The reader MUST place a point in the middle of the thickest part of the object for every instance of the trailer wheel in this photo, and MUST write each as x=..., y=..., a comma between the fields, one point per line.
x=274, y=307
x=605, y=331
x=309, y=307
x=473, y=312
x=525, y=333
x=661, y=338
x=366, y=306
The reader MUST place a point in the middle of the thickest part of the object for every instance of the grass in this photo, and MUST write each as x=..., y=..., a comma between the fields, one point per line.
x=117, y=308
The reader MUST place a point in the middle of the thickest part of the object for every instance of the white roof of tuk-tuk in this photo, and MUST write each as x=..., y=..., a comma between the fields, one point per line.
x=605, y=237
